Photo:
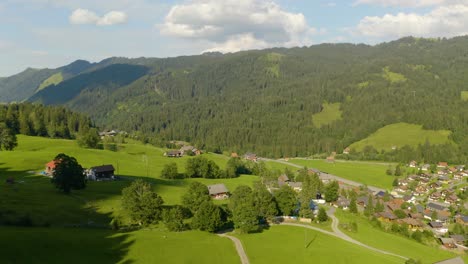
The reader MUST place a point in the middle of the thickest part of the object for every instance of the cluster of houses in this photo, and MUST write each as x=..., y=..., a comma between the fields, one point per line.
x=111, y=133
x=96, y=173
x=183, y=151
x=426, y=201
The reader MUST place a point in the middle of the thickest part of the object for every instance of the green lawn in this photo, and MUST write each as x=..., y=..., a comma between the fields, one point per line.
x=329, y=114
x=366, y=173
x=401, y=134
x=464, y=95
x=53, y=79
x=34, y=195
x=287, y=244
x=59, y=245
x=391, y=242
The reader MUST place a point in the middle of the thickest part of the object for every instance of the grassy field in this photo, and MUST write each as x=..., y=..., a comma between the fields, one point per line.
x=329, y=114
x=464, y=95
x=287, y=244
x=401, y=134
x=34, y=195
x=367, y=173
x=59, y=245
x=54, y=79
x=392, y=77
x=391, y=242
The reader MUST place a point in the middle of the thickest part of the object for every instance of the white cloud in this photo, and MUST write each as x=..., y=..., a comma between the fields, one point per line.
x=84, y=16
x=443, y=21
x=410, y=3
x=112, y=18
x=234, y=25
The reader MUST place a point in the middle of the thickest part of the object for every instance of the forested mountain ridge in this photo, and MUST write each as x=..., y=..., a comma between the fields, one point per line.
x=263, y=101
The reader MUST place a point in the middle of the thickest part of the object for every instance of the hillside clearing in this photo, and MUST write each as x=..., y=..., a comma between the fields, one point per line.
x=53, y=79
x=464, y=95
x=329, y=114
x=401, y=134
x=392, y=77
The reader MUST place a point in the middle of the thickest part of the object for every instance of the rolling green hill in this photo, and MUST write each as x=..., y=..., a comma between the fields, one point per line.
x=400, y=134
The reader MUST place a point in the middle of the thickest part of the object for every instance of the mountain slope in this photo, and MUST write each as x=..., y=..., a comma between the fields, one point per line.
x=264, y=100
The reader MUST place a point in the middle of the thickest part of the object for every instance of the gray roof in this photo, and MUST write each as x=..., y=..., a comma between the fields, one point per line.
x=104, y=168
x=447, y=240
x=217, y=189
x=436, y=206
x=458, y=238
x=295, y=184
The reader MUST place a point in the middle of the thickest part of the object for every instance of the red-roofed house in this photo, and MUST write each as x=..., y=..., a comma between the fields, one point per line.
x=442, y=165
x=50, y=167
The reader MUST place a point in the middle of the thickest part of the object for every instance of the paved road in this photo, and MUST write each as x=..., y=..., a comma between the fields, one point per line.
x=239, y=248
x=327, y=176
x=339, y=234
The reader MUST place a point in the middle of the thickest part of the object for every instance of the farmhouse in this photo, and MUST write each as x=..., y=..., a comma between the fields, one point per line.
x=413, y=164
x=458, y=239
x=462, y=219
x=189, y=150
x=218, y=191
x=448, y=242
x=436, y=207
x=425, y=167
x=283, y=179
x=296, y=186
x=173, y=154
x=346, y=151
x=251, y=157
x=104, y=172
x=442, y=164
x=50, y=167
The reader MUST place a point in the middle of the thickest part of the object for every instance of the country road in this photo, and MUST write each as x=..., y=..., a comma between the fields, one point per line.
x=339, y=234
x=239, y=248
x=327, y=176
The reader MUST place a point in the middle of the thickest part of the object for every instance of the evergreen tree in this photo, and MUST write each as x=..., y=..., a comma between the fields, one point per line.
x=369, y=210
x=353, y=206
x=322, y=215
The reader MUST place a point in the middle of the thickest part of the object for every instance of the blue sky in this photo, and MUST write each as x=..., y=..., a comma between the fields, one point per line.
x=52, y=33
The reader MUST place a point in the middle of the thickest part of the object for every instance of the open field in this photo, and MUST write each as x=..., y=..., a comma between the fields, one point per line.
x=329, y=114
x=391, y=242
x=35, y=195
x=392, y=77
x=366, y=173
x=59, y=245
x=401, y=134
x=287, y=244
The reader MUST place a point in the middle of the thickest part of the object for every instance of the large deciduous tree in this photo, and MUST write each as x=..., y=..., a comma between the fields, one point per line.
x=209, y=217
x=68, y=174
x=143, y=205
x=196, y=194
x=286, y=199
x=332, y=191
x=244, y=212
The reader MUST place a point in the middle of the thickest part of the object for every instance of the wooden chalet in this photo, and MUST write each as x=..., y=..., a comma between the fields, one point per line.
x=218, y=191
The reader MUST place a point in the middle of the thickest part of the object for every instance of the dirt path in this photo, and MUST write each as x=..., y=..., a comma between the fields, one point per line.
x=239, y=248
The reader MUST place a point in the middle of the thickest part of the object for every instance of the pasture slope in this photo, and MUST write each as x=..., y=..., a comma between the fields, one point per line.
x=401, y=134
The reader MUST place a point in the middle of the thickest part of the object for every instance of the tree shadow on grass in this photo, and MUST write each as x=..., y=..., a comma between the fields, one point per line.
x=40, y=224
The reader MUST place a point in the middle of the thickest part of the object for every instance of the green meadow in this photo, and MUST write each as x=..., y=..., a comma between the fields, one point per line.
x=73, y=245
x=401, y=134
x=34, y=195
x=288, y=244
x=329, y=114
x=367, y=173
x=391, y=242
x=464, y=95
x=54, y=79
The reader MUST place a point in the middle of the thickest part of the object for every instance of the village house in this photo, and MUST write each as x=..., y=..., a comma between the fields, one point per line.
x=331, y=159
x=342, y=203
x=218, y=191
x=283, y=179
x=436, y=207
x=190, y=150
x=462, y=219
x=234, y=155
x=413, y=164
x=346, y=151
x=50, y=167
x=425, y=167
x=296, y=186
x=442, y=165
x=413, y=224
x=173, y=154
x=395, y=204
x=386, y=216
x=448, y=242
x=98, y=173
x=251, y=156
x=458, y=239
x=438, y=227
